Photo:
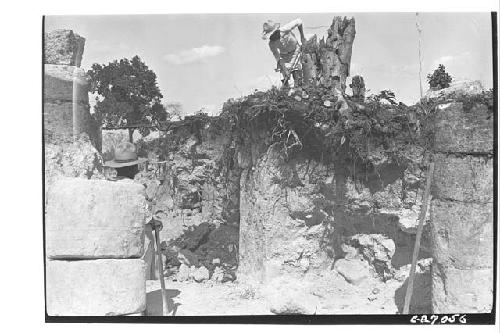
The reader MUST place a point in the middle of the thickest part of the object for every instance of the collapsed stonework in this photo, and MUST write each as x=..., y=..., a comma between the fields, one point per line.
x=278, y=188
x=293, y=215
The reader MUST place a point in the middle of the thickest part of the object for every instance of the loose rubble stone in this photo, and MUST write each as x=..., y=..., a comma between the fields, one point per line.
x=187, y=257
x=375, y=247
x=95, y=219
x=183, y=274
x=354, y=271
x=218, y=274
x=77, y=158
x=192, y=270
x=201, y=274
x=100, y=287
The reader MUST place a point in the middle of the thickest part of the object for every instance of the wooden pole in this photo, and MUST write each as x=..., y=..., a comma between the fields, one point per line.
x=416, y=249
x=160, y=273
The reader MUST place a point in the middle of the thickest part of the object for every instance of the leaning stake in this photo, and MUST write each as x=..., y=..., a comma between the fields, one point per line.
x=160, y=272
x=416, y=249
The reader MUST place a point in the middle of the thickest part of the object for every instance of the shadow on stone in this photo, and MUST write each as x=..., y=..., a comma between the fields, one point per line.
x=154, y=305
x=421, y=297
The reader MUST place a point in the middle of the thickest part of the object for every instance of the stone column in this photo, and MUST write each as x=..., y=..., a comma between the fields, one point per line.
x=462, y=210
x=66, y=102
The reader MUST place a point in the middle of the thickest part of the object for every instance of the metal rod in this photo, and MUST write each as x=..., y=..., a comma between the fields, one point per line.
x=416, y=249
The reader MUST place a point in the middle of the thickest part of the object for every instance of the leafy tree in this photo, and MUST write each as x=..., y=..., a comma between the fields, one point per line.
x=128, y=94
x=439, y=79
x=387, y=95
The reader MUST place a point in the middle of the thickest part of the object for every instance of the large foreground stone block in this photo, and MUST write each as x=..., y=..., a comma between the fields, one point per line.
x=463, y=178
x=463, y=131
x=95, y=219
x=100, y=287
x=462, y=234
x=461, y=291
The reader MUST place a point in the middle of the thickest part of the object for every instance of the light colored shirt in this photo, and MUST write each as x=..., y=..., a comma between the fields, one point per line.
x=287, y=48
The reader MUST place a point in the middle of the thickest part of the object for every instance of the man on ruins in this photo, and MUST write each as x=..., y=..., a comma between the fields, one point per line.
x=286, y=48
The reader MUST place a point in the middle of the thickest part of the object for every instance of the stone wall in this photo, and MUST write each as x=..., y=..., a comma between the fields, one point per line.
x=462, y=209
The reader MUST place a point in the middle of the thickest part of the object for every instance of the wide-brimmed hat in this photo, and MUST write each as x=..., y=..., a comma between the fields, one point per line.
x=268, y=28
x=125, y=155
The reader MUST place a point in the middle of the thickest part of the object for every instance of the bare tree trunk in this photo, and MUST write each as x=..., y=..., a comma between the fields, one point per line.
x=309, y=61
x=328, y=62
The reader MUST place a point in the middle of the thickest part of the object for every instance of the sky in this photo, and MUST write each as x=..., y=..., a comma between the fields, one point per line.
x=202, y=60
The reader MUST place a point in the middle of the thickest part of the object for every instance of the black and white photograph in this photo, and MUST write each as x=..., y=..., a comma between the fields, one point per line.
x=329, y=167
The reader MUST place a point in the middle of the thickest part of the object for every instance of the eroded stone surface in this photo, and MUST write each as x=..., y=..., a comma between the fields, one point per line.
x=65, y=83
x=100, y=287
x=462, y=234
x=461, y=291
x=463, y=131
x=63, y=47
x=463, y=178
x=68, y=158
x=95, y=219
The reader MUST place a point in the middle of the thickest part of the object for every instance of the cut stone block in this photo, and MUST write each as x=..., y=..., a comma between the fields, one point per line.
x=461, y=291
x=102, y=287
x=95, y=219
x=63, y=47
x=463, y=131
x=65, y=83
x=462, y=234
x=58, y=119
x=464, y=178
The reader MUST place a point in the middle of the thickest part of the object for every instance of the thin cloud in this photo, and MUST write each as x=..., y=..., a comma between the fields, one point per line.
x=193, y=55
x=459, y=60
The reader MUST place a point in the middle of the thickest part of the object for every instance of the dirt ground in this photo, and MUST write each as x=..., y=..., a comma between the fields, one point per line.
x=328, y=294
